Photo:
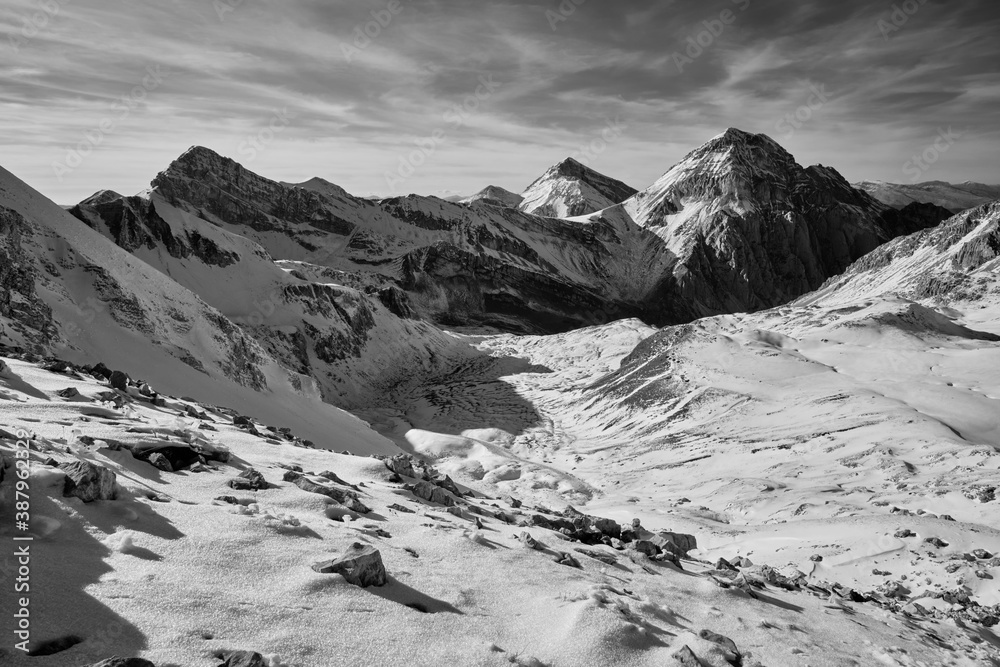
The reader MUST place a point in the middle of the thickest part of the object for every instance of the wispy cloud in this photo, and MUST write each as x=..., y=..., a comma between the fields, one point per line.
x=350, y=118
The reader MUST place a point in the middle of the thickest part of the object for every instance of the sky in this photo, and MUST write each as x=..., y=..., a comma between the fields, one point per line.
x=444, y=97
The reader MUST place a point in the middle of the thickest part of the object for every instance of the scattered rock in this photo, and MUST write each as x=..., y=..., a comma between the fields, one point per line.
x=361, y=566
x=400, y=508
x=431, y=493
x=345, y=497
x=513, y=502
x=158, y=460
x=528, y=541
x=249, y=480
x=116, y=661
x=87, y=481
x=904, y=532
x=401, y=464
x=676, y=543
x=567, y=559
x=935, y=541
x=721, y=640
x=816, y=558
x=725, y=565
x=118, y=380
x=241, y=659
x=982, y=554
x=685, y=657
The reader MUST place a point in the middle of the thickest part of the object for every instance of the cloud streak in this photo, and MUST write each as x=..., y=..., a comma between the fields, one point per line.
x=352, y=117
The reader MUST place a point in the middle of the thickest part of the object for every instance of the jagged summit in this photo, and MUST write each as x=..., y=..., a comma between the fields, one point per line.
x=735, y=171
x=570, y=188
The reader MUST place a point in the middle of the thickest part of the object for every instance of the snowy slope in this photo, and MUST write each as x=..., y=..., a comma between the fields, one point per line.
x=569, y=189
x=350, y=336
x=952, y=196
x=107, y=305
x=179, y=566
x=495, y=195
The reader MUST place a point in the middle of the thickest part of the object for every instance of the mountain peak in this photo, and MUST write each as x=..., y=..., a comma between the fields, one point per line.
x=494, y=194
x=570, y=188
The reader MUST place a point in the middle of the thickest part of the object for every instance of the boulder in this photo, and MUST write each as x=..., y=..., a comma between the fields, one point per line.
x=101, y=372
x=725, y=566
x=116, y=661
x=361, y=565
x=118, y=380
x=347, y=498
x=241, y=659
x=87, y=481
x=568, y=559
x=249, y=480
x=158, y=460
x=685, y=657
x=401, y=464
x=608, y=527
x=676, y=543
x=432, y=493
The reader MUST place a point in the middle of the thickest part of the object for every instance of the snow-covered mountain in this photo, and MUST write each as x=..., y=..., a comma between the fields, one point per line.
x=751, y=228
x=737, y=225
x=569, y=189
x=71, y=292
x=495, y=195
x=460, y=265
x=953, y=196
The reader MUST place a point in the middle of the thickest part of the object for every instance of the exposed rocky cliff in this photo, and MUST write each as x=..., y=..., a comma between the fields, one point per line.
x=737, y=225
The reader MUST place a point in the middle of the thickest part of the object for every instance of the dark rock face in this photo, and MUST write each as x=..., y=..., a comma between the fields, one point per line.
x=19, y=301
x=88, y=482
x=759, y=230
x=132, y=223
x=913, y=217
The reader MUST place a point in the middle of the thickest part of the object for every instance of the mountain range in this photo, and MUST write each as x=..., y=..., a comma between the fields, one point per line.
x=747, y=413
